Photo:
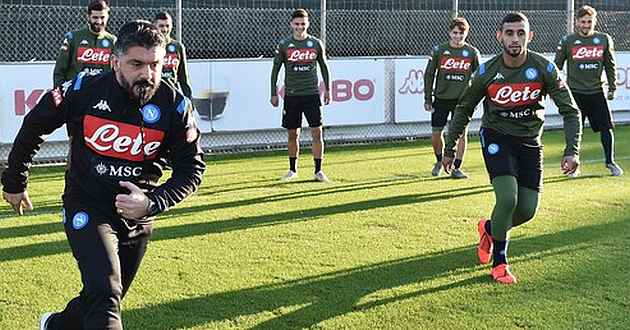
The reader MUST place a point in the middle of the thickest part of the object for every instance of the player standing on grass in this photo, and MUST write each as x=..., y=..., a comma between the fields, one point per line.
x=513, y=85
x=454, y=62
x=300, y=54
x=588, y=53
x=86, y=50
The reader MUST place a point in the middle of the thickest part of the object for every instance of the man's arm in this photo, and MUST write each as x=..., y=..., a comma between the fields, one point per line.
x=48, y=115
x=182, y=72
x=62, y=65
x=561, y=56
x=323, y=64
x=610, y=66
x=278, y=60
x=429, y=76
x=559, y=93
x=186, y=160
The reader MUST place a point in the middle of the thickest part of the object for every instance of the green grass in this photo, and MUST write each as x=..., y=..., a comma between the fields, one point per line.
x=384, y=246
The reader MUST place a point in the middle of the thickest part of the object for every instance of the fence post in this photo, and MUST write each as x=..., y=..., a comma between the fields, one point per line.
x=455, y=10
x=322, y=23
x=570, y=15
x=178, y=5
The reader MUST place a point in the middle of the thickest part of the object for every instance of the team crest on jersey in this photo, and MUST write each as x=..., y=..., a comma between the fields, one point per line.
x=309, y=44
x=531, y=73
x=105, y=43
x=80, y=220
x=597, y=41
x=151, y=113
x=493, y=148
x=465, y=53
x=171, y=48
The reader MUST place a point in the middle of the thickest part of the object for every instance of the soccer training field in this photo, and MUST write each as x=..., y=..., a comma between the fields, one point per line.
x=384, y=246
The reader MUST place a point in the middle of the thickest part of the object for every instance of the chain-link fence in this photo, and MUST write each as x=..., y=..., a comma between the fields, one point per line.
x=32, y=30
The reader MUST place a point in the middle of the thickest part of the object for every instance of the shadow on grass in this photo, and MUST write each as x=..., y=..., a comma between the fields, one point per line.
x=242, y=223
x=319, y=298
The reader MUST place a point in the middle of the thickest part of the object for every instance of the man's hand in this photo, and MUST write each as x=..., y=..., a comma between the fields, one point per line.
x=428, y=107
x=611, y=95
x=20, y=202
x=570, y=164
x=447, y=162
x=133, y=205
x=326, y=97
x=274, y=101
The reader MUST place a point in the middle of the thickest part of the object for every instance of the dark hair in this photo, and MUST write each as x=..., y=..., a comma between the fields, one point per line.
x=586, y=10
x=138, y=33
x=97, y=5
x=299, y=13
x=162, y=15
x=459, y=22
x=513, y=18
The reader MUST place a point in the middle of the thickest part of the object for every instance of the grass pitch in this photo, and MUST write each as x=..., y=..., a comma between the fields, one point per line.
x=384, y=246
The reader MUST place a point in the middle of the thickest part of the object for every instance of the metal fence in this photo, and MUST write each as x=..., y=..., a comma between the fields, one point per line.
x=32, y=30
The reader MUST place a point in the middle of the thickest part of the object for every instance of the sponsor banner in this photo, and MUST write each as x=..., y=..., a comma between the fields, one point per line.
x=234, y=95
x=21, y=87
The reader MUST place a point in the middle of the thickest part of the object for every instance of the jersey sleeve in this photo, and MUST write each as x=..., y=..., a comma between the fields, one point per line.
x=429, y=75
x=186, y=156
x=62, y=64
x=323, y=64
x=561, y=53
x=610, y=64
x=278, y=60
x=50, y=113
x=182, y=73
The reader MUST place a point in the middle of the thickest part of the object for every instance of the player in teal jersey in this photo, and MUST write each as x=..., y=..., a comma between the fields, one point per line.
x=450, y=67
x=513, y=85
x=300, y=54
x=588, y=54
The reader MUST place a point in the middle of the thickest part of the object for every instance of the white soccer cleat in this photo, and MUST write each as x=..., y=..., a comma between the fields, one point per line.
x=43, y=321
x=289, y=176
x=321, y=177
x=575, y=174
x=615, y=170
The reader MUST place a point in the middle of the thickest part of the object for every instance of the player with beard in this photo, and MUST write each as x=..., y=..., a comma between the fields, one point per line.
x=588, y=53
x=88, y=49
x=124, y=123
x=513, y=85
x=175, y=65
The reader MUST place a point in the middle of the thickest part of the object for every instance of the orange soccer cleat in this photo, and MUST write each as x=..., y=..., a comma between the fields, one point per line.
x=484, y=249
x=502, y=274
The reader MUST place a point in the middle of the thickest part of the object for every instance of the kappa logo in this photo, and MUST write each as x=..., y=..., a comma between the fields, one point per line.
x=447, y=52
x=498, y=76
x=291, y=45
x=83, y=42
x=102, y=105
x=577, y=42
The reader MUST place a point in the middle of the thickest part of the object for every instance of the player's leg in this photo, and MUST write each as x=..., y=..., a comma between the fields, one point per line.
x=439, y=118
x=601, y=121
x=131, y=249
x=292, y=121
x=499, y=156
x=529, y=181
x=314, y=117
x=457, y=172
x=94, y=245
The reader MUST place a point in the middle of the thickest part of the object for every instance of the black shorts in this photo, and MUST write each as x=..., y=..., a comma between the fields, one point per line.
x=595, y=108
x=515, y=156
x=441, y=110
x=295, y=106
